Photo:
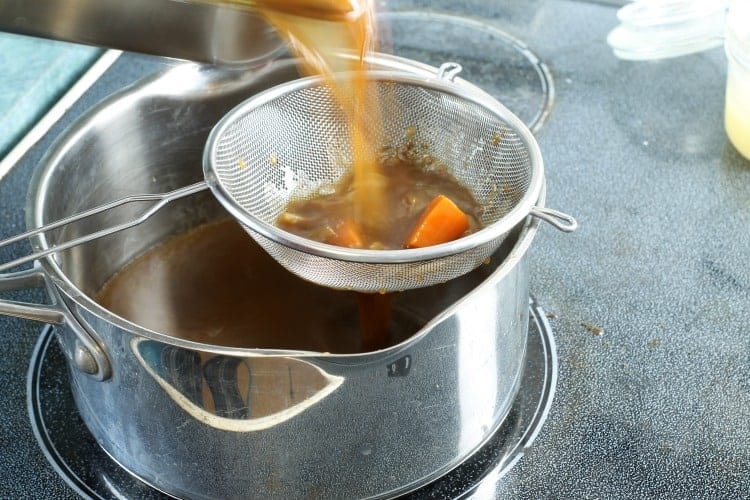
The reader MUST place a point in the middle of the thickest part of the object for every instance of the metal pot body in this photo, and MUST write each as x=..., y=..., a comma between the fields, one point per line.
x=314, y=427
x=206, y=421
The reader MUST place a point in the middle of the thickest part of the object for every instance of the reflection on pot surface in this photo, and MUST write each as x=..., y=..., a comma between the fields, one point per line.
x=234, y=394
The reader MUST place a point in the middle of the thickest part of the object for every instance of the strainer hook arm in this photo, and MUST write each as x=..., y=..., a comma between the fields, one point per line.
x=449, y=70
x=160, y=200
x=564, y=222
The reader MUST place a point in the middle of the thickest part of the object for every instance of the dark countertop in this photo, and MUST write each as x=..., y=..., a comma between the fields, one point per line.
x=658, y=404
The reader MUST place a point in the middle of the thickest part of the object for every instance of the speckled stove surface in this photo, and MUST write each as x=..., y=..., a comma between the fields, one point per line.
x=651, y=295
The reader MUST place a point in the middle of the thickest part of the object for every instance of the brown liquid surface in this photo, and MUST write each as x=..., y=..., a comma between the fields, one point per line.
x=409, y=186
x=215, y=285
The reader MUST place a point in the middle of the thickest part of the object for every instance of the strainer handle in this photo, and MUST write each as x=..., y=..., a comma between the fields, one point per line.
x=449, y=70
x=564, y=222
x=160, y=200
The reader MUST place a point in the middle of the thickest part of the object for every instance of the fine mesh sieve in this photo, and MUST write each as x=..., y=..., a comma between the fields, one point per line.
x=293, y=140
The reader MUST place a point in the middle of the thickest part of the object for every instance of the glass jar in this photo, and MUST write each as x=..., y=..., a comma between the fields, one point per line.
x=737, y=107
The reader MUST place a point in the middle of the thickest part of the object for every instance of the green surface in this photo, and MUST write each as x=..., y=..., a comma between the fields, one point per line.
x=34, y=73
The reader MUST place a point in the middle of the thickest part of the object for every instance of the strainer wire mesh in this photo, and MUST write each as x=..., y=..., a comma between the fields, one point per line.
x=293, y=141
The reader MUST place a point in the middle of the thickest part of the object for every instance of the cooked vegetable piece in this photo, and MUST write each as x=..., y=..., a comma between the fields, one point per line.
x=409, y=184
x=347, y=234
x=440, y=222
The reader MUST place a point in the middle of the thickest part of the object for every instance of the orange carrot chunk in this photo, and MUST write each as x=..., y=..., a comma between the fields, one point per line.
x=347, y=235
x=440, y=222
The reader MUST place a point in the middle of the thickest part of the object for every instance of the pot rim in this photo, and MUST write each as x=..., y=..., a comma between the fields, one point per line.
x=150, y=86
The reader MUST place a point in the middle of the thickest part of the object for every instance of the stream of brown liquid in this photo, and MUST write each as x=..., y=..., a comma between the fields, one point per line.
x=319, y=40
x=319, y=31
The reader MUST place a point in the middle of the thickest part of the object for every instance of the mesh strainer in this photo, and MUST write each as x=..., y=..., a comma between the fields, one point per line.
x=291, y=141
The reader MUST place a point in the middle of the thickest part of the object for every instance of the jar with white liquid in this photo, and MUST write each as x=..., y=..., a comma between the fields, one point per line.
x=737, y=108
x=658, y=29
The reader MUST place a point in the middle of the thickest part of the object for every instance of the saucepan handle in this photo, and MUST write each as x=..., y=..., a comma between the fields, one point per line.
x=22, y=280
x=559, y=220
x=82, y=348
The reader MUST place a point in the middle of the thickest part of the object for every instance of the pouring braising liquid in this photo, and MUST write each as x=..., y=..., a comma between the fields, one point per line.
x=319, y=32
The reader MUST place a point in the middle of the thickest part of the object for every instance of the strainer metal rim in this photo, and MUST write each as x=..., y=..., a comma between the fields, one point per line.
x=461, y=90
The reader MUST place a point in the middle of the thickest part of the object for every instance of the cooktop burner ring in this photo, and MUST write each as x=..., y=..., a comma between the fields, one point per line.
x=93, y=474
x=502, y=65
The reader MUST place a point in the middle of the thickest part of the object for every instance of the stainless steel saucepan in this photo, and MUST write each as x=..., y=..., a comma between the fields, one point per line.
x=359, y=425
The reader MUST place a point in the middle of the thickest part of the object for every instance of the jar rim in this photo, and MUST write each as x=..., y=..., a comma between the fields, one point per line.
x=737, y=48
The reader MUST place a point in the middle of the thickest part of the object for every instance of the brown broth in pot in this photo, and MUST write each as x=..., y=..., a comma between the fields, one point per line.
x=215, y=285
